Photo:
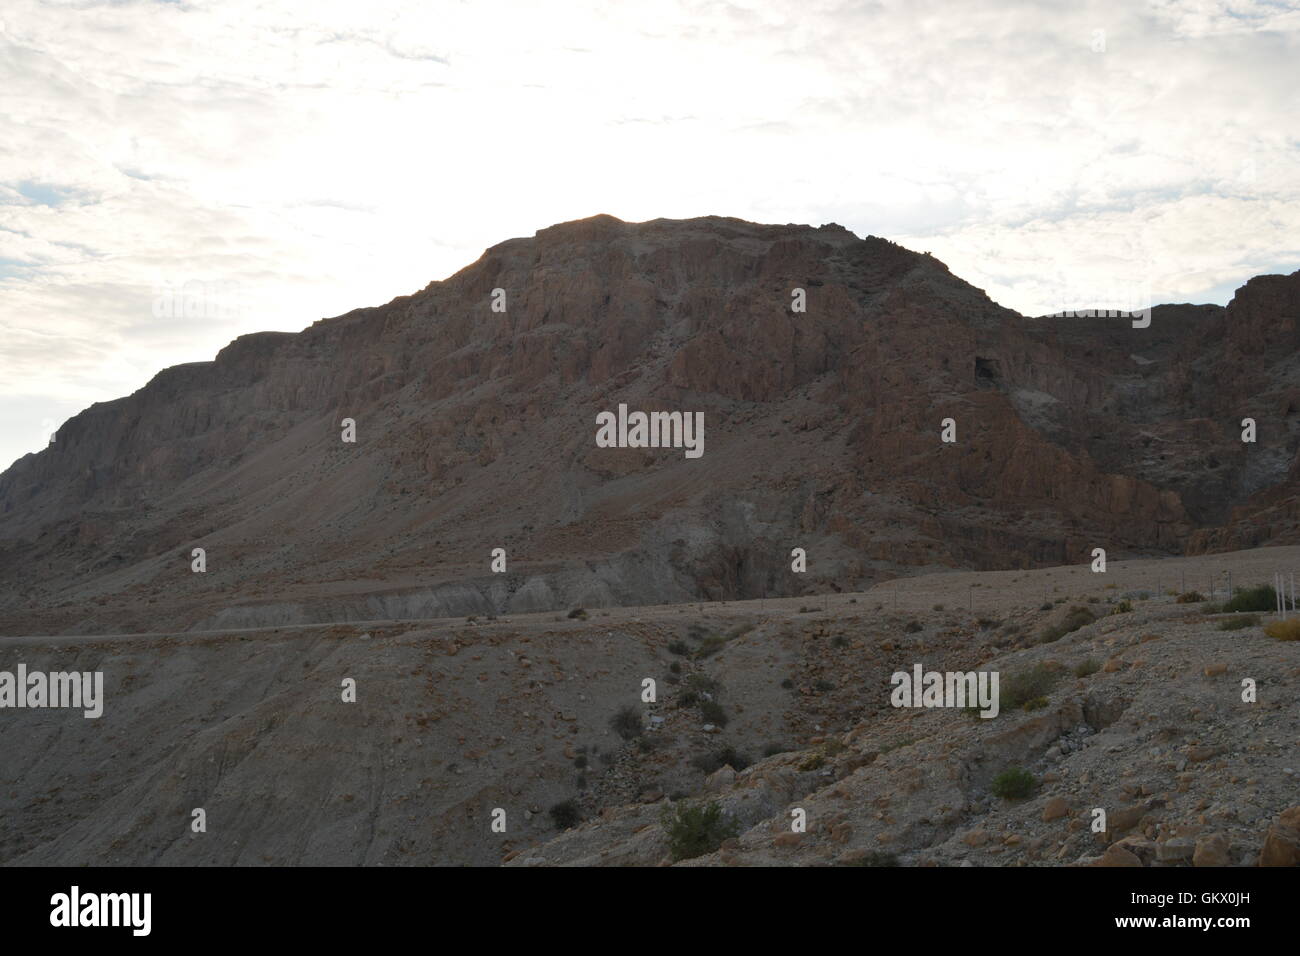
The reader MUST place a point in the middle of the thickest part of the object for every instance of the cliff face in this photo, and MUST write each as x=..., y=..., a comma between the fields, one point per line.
x=475, y=430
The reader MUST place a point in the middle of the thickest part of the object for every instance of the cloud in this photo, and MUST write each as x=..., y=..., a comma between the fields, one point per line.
x=318, y=157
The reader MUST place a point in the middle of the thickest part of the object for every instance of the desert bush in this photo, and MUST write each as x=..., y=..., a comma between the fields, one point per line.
x=1075, y=618
x=1086, y=668
x=1020, y=688
x=913, y=626
x=1262, y=598
x=578, y=614
x=1014, y=783
x=694, y=830
x=713, y=713
x=710, y=646
x=1123, y=607
x=726, y=757
x=1288, y=630
x=680, y=648
x=813, y=761
x=703, y=683
x=1239, y=622
x=627, y=722
x=1191, y=597
x=565, y=814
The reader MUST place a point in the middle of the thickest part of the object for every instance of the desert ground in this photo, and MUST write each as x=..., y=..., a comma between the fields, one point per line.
x=763, y=707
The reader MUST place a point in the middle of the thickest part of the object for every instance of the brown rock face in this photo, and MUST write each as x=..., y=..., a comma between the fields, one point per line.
x=476, y=430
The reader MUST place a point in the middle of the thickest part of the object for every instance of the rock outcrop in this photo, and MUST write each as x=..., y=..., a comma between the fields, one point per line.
x=475, y=430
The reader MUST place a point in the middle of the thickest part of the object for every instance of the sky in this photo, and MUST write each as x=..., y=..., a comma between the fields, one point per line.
x=173, y=175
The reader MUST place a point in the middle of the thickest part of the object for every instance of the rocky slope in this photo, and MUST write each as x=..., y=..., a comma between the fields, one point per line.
x=761, y=706
x=475, y=430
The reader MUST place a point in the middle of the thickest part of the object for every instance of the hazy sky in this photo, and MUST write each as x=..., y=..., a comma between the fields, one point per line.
x=285, y=161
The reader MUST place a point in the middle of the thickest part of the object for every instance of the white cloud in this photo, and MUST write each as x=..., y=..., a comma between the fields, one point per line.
x=331, y=155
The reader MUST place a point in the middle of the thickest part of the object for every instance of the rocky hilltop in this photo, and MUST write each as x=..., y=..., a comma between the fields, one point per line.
x=475, y=430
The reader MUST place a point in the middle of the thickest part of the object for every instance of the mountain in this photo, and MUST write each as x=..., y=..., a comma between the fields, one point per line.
x=475, y=430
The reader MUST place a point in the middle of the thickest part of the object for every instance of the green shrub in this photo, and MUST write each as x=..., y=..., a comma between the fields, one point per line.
x=1238, y=622
x=694, y=830
x=913, y=626
x=627, y=723
x=1123, y=607
x=578, y=614
x=565, y=815
x=1020, y=688
x=1075, y=618
x=703, y=684
x=710, y=646
x=1036, y=703
x=713, y=713
x=1191, y=597
x=680, y=648
x=1252, y=599
x=1086, y=668
x=1014, y=783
